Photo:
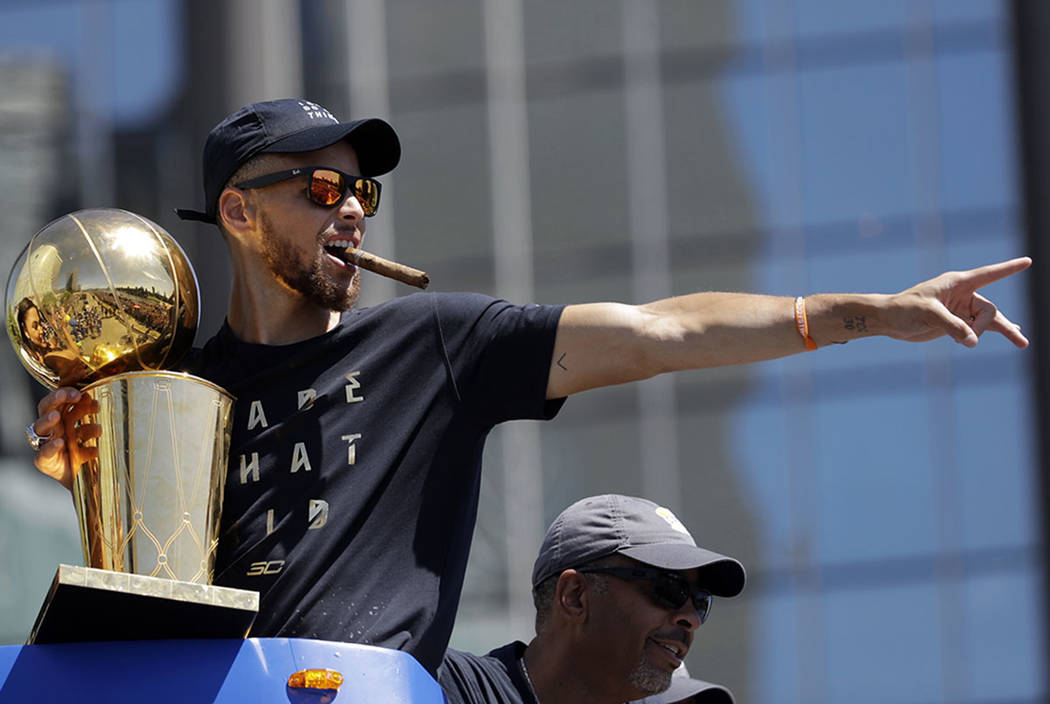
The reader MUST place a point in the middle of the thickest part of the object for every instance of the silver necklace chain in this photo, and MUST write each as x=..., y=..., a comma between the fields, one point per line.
x=528, y=680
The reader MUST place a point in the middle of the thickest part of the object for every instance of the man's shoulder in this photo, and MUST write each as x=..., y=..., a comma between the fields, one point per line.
x=431, y=299
x=449, y=311
x=460, y=662
x=430, y=303
x=475, y=679
x=500, y=658
x=508, y=654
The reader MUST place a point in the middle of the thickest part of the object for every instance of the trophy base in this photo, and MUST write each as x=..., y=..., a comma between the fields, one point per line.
x=88, y=604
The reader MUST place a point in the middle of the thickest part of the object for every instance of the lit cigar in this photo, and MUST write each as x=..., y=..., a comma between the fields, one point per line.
x=387, y=268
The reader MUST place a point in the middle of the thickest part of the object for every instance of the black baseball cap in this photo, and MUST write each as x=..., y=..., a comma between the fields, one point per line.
x=287, y=126
x=637, y=528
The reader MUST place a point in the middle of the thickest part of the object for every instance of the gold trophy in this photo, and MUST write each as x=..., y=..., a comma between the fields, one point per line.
x=106, y=301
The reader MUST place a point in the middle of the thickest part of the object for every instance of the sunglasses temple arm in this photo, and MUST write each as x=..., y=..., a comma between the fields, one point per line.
x=387, y=268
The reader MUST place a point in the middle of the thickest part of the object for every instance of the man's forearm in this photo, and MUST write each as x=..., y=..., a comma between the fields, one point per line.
x=719, y=329
x=600, y=344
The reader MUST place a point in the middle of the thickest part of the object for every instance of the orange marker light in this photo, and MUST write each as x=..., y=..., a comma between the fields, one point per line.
x=315, y=678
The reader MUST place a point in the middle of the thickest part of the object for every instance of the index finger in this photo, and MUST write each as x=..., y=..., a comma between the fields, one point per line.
x=984, y=275
x=61, y=395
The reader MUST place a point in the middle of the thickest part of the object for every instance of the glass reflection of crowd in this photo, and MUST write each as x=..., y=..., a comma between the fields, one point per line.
x=85, y=322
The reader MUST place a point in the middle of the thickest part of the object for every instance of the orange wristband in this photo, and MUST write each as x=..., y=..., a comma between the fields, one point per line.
x=802, y=324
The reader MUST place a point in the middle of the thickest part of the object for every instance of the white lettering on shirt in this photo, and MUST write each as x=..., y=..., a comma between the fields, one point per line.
x=300, y=460
x=318, y=514
x=307, y=398
x=351, y=452
x=352, y=384
x=250, y=467
x=256, y=416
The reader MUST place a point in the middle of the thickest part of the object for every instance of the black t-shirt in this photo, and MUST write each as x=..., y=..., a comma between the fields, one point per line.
x=355, y=462
x=490, y=679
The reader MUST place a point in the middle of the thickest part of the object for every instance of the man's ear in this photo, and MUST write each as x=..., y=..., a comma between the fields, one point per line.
x=572, y=597
x=235, y=212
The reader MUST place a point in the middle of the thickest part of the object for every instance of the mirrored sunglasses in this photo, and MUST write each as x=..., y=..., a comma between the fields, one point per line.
x=326, y=187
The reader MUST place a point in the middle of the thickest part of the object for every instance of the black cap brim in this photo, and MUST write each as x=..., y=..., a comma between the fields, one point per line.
x=195, y=215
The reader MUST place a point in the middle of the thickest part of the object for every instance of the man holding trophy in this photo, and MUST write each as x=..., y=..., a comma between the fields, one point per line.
x=354, y=466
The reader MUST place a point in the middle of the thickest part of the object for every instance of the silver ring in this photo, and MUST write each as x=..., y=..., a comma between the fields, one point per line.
x=36, y=441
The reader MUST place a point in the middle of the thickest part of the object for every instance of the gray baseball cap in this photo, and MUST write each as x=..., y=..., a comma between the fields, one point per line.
x=685, y=687
x=637, y=528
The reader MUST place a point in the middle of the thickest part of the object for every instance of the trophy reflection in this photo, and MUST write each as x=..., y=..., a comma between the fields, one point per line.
x=106, y=301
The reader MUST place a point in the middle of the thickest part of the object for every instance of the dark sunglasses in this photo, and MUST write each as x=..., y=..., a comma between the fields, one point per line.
x=327, y=187
x=668, y=590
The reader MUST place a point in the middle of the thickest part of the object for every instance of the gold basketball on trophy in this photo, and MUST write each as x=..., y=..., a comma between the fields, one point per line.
x=97, y=293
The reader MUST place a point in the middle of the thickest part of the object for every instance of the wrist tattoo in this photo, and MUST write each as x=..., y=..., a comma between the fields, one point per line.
x=559, y=361
x=856, y=322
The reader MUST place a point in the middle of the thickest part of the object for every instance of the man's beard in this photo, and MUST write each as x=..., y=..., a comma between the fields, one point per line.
x=309, y=281
x=648, y=678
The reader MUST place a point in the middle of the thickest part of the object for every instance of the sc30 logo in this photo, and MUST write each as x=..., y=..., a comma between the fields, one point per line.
x=258, y=569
